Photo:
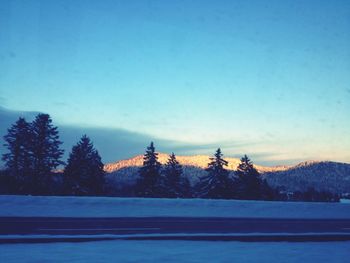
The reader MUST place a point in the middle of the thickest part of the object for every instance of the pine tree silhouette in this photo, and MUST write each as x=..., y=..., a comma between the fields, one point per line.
x=175, y=184
x=148, y=184
x=217, y=183
x=18, y=158
x=84, y=174
x=46, y=152
x=250, y=183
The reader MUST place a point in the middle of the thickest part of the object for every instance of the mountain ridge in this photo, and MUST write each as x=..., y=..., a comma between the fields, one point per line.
x=321, y=175
x=201, y=161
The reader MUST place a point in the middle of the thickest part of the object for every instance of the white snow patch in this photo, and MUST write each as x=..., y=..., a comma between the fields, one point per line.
x=177, y=251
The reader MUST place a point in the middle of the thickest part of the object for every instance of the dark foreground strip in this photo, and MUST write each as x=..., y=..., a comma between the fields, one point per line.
x=240, y=238
x=52, y=240
x=167, y=225
x=258, y=238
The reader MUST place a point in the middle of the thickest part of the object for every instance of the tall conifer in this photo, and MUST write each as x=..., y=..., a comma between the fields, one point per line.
x=148, y=184
x=46, y=152
x=217, y=183
x=250, y=183
x=175, y=184
x=84, y=174
x=18, y=159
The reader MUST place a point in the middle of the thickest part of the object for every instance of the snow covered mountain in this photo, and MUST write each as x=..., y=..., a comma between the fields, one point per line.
x=326, y=176
x=330, y=176
x=199, y=161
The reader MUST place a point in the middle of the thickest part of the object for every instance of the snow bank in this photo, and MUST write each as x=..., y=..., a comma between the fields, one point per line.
x=144, y=207
x=177, y=251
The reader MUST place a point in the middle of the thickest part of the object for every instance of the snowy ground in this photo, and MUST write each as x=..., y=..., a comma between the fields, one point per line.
x=143, y=207
x=177, y=251
x=171, y=250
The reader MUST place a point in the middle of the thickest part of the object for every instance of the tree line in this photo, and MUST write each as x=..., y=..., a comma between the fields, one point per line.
x=246, y=183
x=34, y=153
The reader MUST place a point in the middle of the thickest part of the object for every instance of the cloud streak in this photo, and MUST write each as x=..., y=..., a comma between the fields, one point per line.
x=116, y=144
x=113, y=144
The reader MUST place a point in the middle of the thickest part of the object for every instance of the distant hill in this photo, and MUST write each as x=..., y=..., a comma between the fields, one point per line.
x=199, y=161
x=330, y=176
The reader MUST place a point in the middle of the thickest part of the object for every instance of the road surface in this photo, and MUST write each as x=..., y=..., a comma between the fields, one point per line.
x=243, y=229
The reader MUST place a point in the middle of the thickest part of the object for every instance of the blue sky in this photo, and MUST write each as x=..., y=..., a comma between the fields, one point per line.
x=270, y=76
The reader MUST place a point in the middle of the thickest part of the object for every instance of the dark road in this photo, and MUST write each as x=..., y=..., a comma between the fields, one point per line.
x=168, y=225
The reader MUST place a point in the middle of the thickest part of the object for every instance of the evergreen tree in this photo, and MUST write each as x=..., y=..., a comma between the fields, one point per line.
x=84, y=174
x=18, y=158
x=250, y=183
x=148, y=184
x=46, y=152
x=175, y=184
x=217, y=183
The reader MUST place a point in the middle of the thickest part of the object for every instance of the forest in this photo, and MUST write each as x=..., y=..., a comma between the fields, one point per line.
x=34, y=166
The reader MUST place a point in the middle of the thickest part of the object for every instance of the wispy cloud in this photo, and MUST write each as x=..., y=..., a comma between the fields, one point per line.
x=113, y=144
x=116, y=144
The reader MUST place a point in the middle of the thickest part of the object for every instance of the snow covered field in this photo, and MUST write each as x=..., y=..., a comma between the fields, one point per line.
x=177, y=251
x=171, y=250
x=142, y=207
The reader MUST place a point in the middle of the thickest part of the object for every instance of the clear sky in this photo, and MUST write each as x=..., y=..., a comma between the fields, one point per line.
x=271, y=76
